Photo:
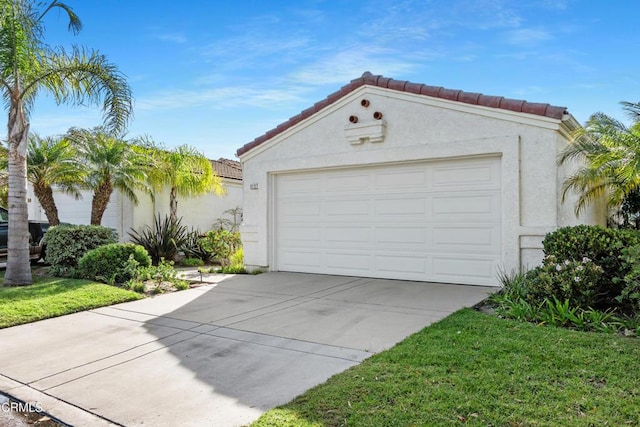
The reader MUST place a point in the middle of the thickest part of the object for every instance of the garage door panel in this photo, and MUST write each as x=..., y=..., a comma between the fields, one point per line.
x=352, y=207
x=467, y=239
x=301, y=208
x=347, y=261
x=347, y=183
x=354, y=235
x=431, y=221
x=456, y=268
x=465, y=205
x=400, y=206
x=301, y=235
x=302, y=185
x=301, y=259
x=478, y=176
x=394, y=265
x=416, y=235
x=401, y=179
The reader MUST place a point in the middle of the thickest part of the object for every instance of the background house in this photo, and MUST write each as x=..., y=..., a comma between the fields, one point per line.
x=122, y=215
x=393, y=179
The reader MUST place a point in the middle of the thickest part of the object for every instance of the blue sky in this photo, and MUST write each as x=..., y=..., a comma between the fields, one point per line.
x=216, y=74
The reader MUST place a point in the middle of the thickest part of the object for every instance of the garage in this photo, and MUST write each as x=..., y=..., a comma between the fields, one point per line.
x=431, y=221
x=392, y=179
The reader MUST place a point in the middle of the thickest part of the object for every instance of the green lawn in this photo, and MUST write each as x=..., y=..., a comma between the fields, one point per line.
x=478, y=370
x=51, y=297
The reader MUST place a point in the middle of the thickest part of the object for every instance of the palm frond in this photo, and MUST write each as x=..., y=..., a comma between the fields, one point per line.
x=75, y=25
x=85, y=78
x=632, y=109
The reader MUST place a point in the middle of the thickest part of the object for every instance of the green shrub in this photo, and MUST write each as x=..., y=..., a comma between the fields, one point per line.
x=222, y=243
x=194, y=247
x=603, y=247
x=234, y=269
x=113, y=263
x=163, y=272
x=135, y=286
x=66, y=244
x=629, y=297
x=162, y=240
x=575, y=281
x=192, y=262
x=532, y=297
x=237, y=258
x=181, y=285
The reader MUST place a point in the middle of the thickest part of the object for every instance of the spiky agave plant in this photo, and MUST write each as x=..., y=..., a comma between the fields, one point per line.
x=162, y=240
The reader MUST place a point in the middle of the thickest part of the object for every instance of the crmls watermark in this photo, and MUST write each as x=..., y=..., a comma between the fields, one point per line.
x=11, y=406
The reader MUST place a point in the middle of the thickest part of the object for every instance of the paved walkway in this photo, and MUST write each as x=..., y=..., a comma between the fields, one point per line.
x=220, y=354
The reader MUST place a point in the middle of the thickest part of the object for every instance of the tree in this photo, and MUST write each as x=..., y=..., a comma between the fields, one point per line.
x=610, y=152
x=29, y=66
x=52, y=161
x=186, y=172
x=108, y=163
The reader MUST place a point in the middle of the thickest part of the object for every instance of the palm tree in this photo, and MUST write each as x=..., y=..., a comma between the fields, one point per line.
x=108, y=163
x=28, y=66
x=610, y=153
x=52, y=161
x=186, y=172
x=4, y=175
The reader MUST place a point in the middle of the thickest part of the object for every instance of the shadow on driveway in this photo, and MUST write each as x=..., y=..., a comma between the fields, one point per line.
x=224, y=353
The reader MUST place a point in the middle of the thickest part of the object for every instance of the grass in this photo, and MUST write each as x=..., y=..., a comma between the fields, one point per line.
x=479, y=370
x=52, y=297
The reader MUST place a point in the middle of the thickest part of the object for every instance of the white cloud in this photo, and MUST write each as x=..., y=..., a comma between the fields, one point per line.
x=221, y=97
x=350, y=63
x=56, y=120
x=527, y=36
x=172, y=37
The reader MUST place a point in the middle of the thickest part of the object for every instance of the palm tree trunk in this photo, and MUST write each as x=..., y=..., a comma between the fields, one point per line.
x=18, y=265
x=100, y=201
x=173, y=205
x=44, y=193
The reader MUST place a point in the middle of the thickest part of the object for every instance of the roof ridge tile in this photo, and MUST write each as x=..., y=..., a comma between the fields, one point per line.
x=456, y=95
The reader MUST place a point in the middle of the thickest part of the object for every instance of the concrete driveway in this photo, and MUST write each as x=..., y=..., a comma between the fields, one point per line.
x=220, y=354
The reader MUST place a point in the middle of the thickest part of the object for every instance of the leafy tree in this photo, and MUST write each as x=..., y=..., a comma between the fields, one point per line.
x=185, y=171
x=108, y=163
x=29, y=66
x=610, y=152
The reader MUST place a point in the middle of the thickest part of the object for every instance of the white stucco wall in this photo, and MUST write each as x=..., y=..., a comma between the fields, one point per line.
x=198, y=212
x=423, y=128
x=122, y=215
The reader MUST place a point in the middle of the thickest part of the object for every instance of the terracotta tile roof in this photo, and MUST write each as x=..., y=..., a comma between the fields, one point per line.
x=226, y=168
x=369, y=79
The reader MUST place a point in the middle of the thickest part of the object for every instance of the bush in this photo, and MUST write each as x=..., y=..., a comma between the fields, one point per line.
x=113, y=263
x=575, y=281
x=221, y=244
x=234, y=269
x=163, y=272
x=192, y=262
x=237, y=258
x=629, y=297
x=517, y=301
x=569, y=246
x=194, y=247
x=66, y=244
x=163, y=240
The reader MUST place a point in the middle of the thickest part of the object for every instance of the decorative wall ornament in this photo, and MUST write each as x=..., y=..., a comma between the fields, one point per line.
x=358, y=132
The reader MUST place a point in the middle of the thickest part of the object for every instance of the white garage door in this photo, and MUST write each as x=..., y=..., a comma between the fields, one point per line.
x=432, y=221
